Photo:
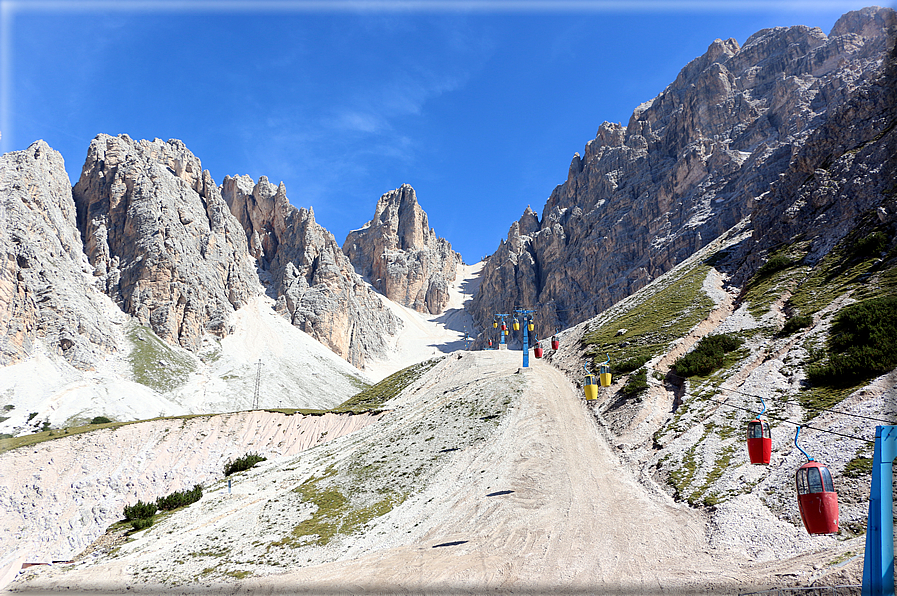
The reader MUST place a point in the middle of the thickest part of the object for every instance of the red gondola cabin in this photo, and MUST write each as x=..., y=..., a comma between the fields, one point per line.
x=555, y=343
x=538, y=351
x=759, y=441
x=817, y=499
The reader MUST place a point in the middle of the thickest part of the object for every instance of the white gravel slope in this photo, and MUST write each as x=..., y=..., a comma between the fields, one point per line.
x=509, y=484
x=424, y=336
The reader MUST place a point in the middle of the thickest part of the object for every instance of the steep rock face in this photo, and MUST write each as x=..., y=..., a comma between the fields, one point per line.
x=689, y=164
x=312, y=280
x=46, y=292
x=161, y=239
x=842, y=178
x=402, y=256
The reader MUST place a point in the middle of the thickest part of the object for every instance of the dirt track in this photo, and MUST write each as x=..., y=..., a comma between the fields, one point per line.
x=545, y=508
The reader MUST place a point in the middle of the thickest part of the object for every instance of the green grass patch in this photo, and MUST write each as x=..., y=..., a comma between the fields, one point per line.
x=373, y=397
x=636, y=383
x=707, y=356
x=815, y=400
x=653, y=325
x=334, y=513
x=846, y=268
x=858, y=467
x=773, y=279
x=862, y=344
x=156, y=364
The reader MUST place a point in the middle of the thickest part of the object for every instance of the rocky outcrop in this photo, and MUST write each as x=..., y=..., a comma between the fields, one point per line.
x=843, y=178
x=304, y=269
x=402, y=256
x=688, y=165
x=160, y=238
x=46, y=292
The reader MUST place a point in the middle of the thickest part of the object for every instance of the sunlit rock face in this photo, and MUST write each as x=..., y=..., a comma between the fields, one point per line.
x=305, y=270
x=46, y=287
x=402, y=256
x=160, y=238
x=690, y=163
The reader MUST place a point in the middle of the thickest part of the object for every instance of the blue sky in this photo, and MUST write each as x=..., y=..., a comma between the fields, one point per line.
x=479, y=105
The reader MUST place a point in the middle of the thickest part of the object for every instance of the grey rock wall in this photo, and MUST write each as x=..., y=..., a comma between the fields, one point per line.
x=305, y=270
x=160, y=238
x=688, y=165
x=402, y=256
x=46, y=290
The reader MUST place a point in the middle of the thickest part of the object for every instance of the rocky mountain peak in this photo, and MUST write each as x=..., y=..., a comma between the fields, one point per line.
x=160, y=238
x=46, y=290
x=306, y=272
x=401, y=255
x=400, y=220
x=690, y=163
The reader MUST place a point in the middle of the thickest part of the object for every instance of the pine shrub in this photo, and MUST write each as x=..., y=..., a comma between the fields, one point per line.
x=100, y=420
x=774, y=264
x=140, y=510
x=637, y=383
x=141, y=523
x=795, y=323
x=708, y=355
x=242, y=464
x=627, y=366
x=180, y=498
x=871, y=245
x=862, y=343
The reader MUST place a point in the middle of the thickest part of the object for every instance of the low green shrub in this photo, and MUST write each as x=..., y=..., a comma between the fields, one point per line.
x=774, y=264
x=140, y=510
x=141, y=523
x=795, y=323
x=708, y=355
x=636, y=383
x=242, y=464
x=858, y=467
x=862, y=343
x=871, y=245
x=627, y=366
x=180, y=498
x=100, y=420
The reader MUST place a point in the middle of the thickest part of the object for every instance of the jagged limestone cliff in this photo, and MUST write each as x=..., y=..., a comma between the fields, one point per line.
x=46, y=290
x=689, y=164
x=306, y=272
x=402, y=255
x=161, y=239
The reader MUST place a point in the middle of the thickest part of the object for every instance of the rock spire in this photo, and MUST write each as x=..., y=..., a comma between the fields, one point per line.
x=402, y=256
x=304, y=269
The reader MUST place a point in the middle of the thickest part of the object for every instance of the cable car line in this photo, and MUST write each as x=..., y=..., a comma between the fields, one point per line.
x=785, y=420
x=788, y=401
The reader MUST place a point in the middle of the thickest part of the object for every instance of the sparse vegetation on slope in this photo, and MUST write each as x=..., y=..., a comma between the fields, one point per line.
x=654, y=324
x=862, y=343
x=371, y=398
x=156, y=364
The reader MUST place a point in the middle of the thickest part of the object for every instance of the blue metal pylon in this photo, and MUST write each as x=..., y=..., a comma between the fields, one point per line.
x=878, y=563
x=525, y=336
x=501, y=333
